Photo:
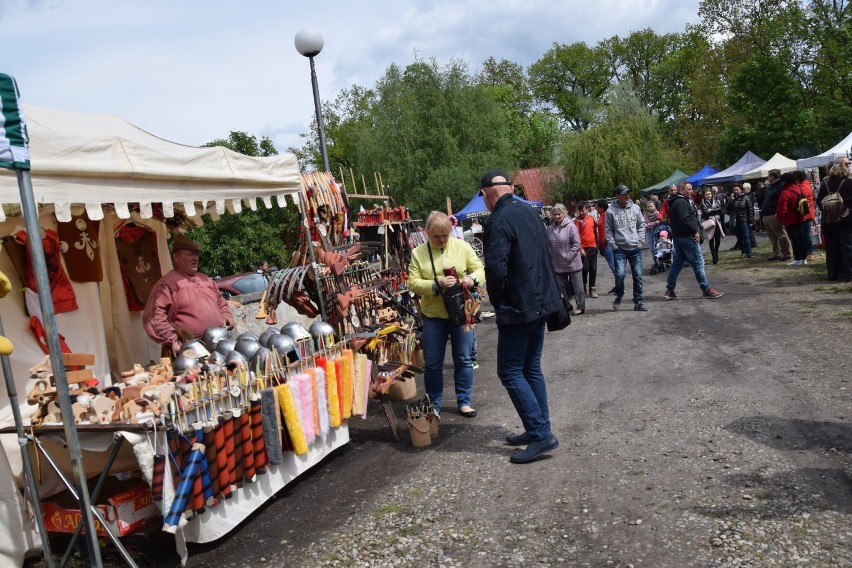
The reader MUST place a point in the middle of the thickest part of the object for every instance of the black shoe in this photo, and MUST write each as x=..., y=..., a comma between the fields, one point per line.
x=640, y=307
x=617, y=303
x=519, y=439
x=535, y=450
x=735, y=247
x=468, y=413
x=611, y=291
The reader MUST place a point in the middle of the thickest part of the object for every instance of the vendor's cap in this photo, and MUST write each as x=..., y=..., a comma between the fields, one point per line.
x=488, y=179
x=182, y=243
x=622, y=190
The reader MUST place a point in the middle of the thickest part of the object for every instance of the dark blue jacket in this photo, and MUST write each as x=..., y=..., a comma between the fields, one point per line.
x=518, y=273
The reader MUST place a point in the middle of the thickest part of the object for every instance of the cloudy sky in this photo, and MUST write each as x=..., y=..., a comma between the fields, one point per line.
x=193, y=70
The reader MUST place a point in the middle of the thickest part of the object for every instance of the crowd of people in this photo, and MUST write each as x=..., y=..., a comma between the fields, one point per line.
x=526, y=261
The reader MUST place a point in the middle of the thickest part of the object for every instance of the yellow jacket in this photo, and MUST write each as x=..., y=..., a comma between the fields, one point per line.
x=456, y=254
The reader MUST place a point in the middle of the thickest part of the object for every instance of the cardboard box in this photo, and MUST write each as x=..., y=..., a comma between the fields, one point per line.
x=126, y=509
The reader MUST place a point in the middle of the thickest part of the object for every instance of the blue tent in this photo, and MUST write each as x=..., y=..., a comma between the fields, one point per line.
x=476, y=208
x=697, y=178
x=747, y=163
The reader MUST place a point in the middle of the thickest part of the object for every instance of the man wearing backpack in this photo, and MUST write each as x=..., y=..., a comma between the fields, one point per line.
x=781, y=247
x=791, y=212
x=837, y=220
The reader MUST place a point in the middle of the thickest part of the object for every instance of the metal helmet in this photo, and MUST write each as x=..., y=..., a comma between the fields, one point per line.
x=247, y=346
x=236, y=357
x=182, y=364
x=225, y=346
x=194, y=348
x=295, y=330
x=262, y=360
x=247, y=334
x=284, y=346
x=322, y=333
x=264, y=337
x=216, y=358
x=212, y=335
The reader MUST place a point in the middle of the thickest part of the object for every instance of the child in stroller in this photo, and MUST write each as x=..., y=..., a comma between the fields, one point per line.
x=663, y=252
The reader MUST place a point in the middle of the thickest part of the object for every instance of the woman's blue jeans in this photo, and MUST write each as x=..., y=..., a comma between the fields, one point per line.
x=519, y=368
x=745, y=238
x=436, y=331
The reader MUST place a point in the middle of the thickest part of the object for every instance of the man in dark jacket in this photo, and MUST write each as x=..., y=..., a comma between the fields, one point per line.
x=686, y=238
x=522, y=289
x=782, y=249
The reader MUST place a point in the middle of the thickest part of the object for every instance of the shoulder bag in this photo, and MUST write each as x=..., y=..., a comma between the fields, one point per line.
x=453, y=296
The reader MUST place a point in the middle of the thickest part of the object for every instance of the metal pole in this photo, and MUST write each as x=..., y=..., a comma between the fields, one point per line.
x=314, y=266
x=320, y=127
x=30, y=212
x=29, y=477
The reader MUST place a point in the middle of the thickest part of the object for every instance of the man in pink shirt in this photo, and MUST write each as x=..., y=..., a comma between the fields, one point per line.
x=184, y=302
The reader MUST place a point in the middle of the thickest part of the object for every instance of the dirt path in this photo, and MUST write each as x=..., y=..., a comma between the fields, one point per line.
x=700, y=433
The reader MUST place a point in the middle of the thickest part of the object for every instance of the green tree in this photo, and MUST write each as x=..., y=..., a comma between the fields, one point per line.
x=626, y=147
x=238, y=242
x=637, y=59
x=573, y=79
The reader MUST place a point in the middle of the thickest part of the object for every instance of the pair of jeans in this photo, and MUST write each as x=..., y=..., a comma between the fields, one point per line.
x=838, y=250
x=436, y=331
x=590, y=268
x=651, y=240
x=607, y=254
x=686, y=250
x=743, y=237
x=519, y=368
x=621, y=257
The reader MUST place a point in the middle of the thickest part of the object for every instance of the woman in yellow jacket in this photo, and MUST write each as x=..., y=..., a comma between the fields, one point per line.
x=427, y=278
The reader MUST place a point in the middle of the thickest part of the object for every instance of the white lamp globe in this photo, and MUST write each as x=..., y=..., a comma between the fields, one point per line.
x=308, y=42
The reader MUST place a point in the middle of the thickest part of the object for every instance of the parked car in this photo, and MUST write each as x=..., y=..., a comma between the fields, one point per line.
x=245, y=283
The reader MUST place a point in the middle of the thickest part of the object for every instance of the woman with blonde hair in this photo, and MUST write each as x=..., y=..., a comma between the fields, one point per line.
x=440, y=264
x=563, y=243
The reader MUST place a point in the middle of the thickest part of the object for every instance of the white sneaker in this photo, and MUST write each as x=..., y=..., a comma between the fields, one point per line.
x=803, y=261
x=794, y=263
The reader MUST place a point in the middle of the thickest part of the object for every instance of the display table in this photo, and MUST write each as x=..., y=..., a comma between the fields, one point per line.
x=217, y=521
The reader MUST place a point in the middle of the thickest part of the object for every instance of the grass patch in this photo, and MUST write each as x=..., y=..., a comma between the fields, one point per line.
x=387, y=510
x=845, y=313
x=763, y=495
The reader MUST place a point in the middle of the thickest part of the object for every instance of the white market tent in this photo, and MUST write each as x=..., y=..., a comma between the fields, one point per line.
x=842, y=148
x=101, y=164
x=776, y=162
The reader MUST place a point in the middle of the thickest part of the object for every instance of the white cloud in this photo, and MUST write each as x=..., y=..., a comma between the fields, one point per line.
x=194, y=70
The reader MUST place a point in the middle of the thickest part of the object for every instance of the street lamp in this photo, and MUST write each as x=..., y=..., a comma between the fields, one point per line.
x=309, y=43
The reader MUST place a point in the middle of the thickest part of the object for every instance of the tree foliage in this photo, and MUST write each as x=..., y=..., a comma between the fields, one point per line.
x=239, y=242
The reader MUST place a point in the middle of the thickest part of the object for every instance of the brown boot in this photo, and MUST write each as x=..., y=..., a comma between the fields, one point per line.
x=593, y=292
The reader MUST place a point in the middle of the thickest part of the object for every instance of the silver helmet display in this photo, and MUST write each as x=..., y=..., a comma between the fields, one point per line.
x=262, y=360
x=182, y=364
x=194, y=348
x=247, y=335
x=216, y=358
x=295, y=330
x=225, y=346
x=247, y=346
x=235, y=357
x=322, y=334
x=264, y=337
x=212, y=336
x=284, y=346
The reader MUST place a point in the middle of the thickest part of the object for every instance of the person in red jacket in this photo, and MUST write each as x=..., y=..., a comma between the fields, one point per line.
x=787, y=214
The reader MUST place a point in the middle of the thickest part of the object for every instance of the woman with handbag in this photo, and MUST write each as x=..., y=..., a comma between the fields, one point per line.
x=564, y=245
x=837, y=226
x=442, y=272
x=711, y=222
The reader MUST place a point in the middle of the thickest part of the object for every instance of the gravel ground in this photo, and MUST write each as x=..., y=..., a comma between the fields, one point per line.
x=700, y=433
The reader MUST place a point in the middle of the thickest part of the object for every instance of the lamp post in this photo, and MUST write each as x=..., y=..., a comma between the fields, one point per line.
x=309, y=43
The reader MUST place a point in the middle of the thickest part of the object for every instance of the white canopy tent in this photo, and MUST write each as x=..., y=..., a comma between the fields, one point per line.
x=842, y=148
x=776, y=162
x=101, y=164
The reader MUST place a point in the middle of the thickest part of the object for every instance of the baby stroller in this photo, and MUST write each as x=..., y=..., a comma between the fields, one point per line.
x=662, y=250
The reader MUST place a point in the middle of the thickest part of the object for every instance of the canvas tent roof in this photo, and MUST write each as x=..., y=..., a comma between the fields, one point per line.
x=676, y=177
x=94, y=159
x=844, y=147
x=698, y=177
x=476, y=208
x=748, y=162
x=776, y=162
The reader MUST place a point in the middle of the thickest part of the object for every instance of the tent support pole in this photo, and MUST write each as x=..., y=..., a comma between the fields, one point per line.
x=29, y=477
x=30, y=212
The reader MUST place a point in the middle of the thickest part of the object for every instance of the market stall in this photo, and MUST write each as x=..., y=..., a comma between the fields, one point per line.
x=102, y=186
